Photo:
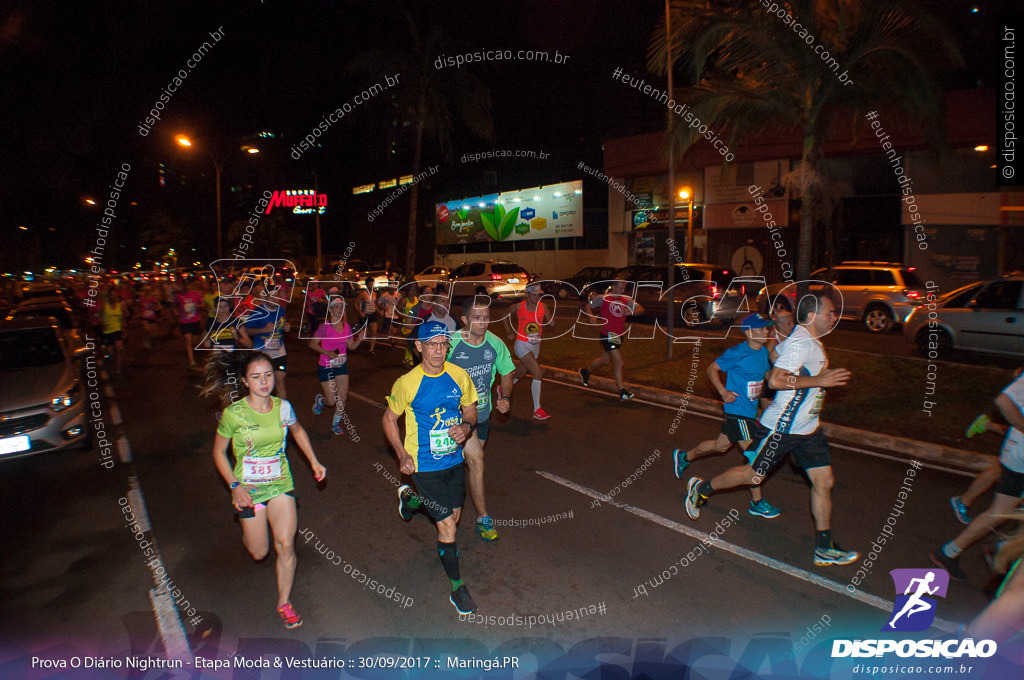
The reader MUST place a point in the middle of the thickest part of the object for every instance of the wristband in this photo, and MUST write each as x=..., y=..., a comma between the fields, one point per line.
x=235, y=485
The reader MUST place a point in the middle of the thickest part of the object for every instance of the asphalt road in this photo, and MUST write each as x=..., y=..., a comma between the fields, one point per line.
x=73, y=575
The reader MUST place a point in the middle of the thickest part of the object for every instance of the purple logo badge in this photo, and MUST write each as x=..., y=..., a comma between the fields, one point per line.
x=914, y=609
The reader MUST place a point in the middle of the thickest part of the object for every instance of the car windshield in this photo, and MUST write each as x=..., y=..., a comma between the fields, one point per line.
x=506, y=269
x=910, y=279
x=29, y=348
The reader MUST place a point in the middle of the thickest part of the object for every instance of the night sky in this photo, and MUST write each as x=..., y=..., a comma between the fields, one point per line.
x=78, y=78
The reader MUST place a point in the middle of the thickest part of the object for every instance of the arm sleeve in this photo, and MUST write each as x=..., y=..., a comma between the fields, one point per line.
x=1015, y=392
x=469, y=395
x=504, y=359
x=226, y=427
x=287, y=413
x=794, y=353
x=399, y=398
x=727, y=361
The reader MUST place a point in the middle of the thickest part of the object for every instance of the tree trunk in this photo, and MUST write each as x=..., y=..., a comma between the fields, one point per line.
x=414, y=191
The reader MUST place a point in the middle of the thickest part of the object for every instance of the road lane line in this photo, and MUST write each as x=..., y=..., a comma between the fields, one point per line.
x=796, y=572
x=709, y=416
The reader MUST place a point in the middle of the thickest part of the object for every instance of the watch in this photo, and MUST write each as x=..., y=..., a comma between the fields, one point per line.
x=235, y=485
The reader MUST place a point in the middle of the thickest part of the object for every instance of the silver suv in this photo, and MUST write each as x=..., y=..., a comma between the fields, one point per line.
x=502, y=279
x=881, y=294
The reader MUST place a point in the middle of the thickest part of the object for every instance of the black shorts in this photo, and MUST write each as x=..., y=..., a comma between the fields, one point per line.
x=442, y=491
x=738, y=428
x=189, y=328
x=1011, y=483
x=110, y=338
x=280, y=363
x=483, y=429
x=249, y=512
x=385, y=325
x=368, y=319
x=770, y=448
x=609, y=345
x=329, y=373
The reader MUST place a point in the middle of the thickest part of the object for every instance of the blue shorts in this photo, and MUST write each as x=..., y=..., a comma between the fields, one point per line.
x=482, y=430
x=329, y=373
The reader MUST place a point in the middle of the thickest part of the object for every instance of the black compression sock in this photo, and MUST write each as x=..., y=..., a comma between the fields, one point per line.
x=823, y=539
x=449, y=559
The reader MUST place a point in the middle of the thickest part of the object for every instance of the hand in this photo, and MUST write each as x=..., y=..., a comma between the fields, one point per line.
x=407, y=465
x=241, y=496
x=834, y=377
x=730, y=396
x=460, y=433
x=319, y=471
x=503, y=404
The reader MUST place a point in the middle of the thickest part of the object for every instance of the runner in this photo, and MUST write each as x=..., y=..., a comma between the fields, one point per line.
x=745, y=366
x=441, y=313
x=614, y=308
x=190, y=314
x=262, y=490
x=1011, y=485
x=387, y=303
x=367, y=308
x=410, y=300
x=483, y=355
x=790, y=426
x=1004, y=616
x=112, y=314
x=438, y=401
x=418, y=313
x=313, y=298
x=332, y=342
x=267, y=326
x=150, y=306
x=210, y=295
x=531, y=316
x=225, y=335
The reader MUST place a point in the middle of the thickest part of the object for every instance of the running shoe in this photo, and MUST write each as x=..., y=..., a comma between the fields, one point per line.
x=693, y=498
x=680, y=462
x=625, y=395
x=404, y=511
x=763, y=508
x=978, y=427
x=585, y=377
x=960, y=510
x=337, y=428
x=540, y=414
x=834, y=556
x=950, y=564
x=485, y=527
x=318, y=405
x=462, y=602
x=289, y=615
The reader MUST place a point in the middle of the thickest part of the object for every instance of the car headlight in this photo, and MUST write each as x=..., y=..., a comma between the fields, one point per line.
x=67, y=399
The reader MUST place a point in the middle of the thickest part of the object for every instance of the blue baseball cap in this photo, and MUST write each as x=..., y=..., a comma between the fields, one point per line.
x=432, y=329
x=755, y=321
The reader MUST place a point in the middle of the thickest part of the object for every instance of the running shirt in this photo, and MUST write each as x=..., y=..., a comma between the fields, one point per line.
x=447, y=320
x=223, y=338
x=530, y=323
x=481, y=362
x=387, y=302
x=796, y=411
x=113, y=317
x=150, y=305
x=211, y=308
x=332, y=339
x=271, y=342
x=745, y=369
x=258, y=441
x=1012, y=453
x=367, y=303
x=432, y=404
x=614, y=310
x=190, y=306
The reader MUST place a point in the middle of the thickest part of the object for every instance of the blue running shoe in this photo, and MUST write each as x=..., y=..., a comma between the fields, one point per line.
x=318, y=405
x=763, y=508
x=680, y=462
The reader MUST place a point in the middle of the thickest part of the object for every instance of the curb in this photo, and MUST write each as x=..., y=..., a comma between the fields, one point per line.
x=909, y=449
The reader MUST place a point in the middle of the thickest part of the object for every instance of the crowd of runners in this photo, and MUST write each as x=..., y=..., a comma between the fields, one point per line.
x=460, y=372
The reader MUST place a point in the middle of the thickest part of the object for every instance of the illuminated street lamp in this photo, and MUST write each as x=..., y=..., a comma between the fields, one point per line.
x=686, y=194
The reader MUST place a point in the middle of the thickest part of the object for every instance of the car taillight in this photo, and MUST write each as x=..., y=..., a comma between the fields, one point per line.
x=712, y=291
x=912, y=294
x=495, y=277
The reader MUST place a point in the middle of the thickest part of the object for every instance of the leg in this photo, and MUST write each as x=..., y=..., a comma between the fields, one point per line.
x=283, y=522
x=741, y=475
x=530, y=361
x=373, y=336
x=188, y=347
x=1004, y=616
x=706, y=448
x=616, y=357
x=328, y=392
x=339, y=389
x=822, y=481
x=599, y=362
x=982, y=483
x=986, y=521
x=474, y=454
x=255, y=535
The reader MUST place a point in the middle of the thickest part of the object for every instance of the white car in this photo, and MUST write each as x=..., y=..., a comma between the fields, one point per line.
x=432, y=275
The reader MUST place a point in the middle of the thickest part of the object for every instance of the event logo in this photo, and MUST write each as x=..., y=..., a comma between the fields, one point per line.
x=914, y=610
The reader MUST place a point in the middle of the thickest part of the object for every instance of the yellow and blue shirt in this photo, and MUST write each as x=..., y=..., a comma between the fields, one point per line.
x=431, y=405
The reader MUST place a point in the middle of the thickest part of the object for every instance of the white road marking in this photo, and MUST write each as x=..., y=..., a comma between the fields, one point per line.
x=795, y=572
x=124, y=449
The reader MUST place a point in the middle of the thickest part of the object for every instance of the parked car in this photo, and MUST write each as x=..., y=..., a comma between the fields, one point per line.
x=881, y=294
x=47, y=307
x=701, y=292
x=42, y=404
x=577, y=284
x=503, y=280
x=432, y=274
x=987, y=316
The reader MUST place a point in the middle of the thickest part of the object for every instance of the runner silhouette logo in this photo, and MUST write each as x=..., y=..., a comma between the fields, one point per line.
x=914, y=608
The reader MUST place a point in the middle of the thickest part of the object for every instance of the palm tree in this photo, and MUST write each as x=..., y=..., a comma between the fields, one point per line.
x=435, y=100
x=751, y=73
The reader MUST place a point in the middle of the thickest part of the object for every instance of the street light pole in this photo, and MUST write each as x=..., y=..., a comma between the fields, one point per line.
x=671, y=186
x=219, y=165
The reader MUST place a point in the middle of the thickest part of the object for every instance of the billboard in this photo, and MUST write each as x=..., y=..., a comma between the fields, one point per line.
x=549, y=211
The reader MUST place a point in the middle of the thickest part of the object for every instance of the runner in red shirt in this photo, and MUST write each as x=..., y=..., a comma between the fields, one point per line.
x=532, y=316
x=614, y=307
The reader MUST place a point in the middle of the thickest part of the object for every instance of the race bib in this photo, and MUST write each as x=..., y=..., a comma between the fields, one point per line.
x=340, y=361
x=441, y=444
x=533, y=338
x=272, y=344
x=190, y=308
x=819, y=400
x=754, y=389
x=615, y=338
x=483, y=399
x=256, y=470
